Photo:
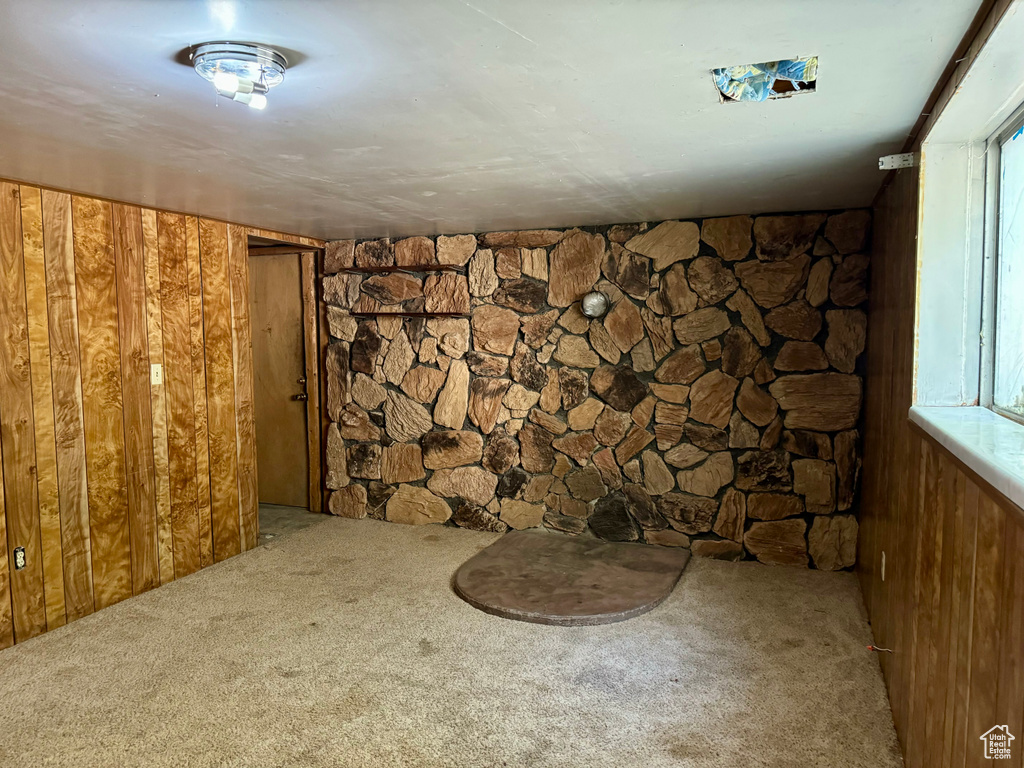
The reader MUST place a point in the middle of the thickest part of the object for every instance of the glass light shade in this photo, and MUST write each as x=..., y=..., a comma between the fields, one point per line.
x=594, y=304
x=245, y=61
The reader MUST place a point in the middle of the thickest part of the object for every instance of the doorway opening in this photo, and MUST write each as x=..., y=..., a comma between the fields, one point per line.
x=286, y=342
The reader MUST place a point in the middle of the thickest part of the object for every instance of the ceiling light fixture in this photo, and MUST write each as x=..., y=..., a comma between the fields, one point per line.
x=242, y=72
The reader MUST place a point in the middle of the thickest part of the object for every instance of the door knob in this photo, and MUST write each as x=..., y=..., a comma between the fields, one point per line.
x=302, y=381
x=300, y=396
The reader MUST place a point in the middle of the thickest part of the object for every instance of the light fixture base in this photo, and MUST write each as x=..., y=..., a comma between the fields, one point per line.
x=258, y=64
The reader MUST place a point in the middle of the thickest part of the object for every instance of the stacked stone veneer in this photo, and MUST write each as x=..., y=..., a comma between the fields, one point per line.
x=714, y=406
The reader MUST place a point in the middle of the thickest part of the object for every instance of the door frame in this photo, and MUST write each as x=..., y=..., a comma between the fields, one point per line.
x=314, y=337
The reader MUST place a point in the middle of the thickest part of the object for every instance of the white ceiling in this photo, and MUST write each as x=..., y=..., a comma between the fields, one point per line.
x=429, y=116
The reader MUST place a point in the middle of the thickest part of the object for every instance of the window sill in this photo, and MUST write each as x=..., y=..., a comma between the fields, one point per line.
x=989, y=444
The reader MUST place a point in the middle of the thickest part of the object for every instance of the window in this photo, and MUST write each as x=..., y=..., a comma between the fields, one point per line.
x=1008, y=288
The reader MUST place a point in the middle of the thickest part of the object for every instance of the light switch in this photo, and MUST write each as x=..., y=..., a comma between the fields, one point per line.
x=156, y=374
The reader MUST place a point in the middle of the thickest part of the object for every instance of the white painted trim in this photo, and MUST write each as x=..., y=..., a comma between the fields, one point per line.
x=990, y=444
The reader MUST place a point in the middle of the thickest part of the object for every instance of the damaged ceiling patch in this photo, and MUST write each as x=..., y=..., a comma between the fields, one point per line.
x=767, y=80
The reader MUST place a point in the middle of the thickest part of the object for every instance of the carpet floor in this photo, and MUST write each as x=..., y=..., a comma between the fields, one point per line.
x=343, y=645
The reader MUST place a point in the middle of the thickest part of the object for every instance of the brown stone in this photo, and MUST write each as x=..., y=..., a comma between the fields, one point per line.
x=576, y=352
x=667, y=435
x=712, y=349
x=630, y=271
x=773, y=283
x=534, y=263
x=603, y=344
x=537, y=488
x=823, y=247
x=849, y=285
x=814, y=445
x=847, y=467
x=778, y=543
x=446, y=292
x=404, y=419
x=667, y=538
x=642, y=356
x=536, y=454
x=732, y=515
x=428, y=350
x=729, y=236
x=413, y=505
x=368, y=393
x=573, y=320
x=712, y=280
x=632, y=470
x=756, y=404
x=575, y=386
x=825, y=402
x=536, y=327
x=641, y=506
x=511, y=483
x=507, y=264
x=717, y=549
x=710, y=477
x=422, y=383
x=833, y=542
x=339, y=378
x=677, y=298
x=780, y=237
x=365, y=348
x=520, y=514
x=657, y=478
x=624, y=325
x=551, y=423
x=393, y=288
x=800, y=356
x=798, y=320
x=356, y=424
x=523, y=295
x=770, y=437
x=526, y=370
x=519, y=399
x=483, y=280
x=474, y=484
x=742, y=434
x=494, y=329
x=342, y=290
x=574, y=507
x=564, y=523
x=477, y=518
x=848, y=231
x=336, y=464
x=578, y=445
x=401, y=463
x=701, y=325
x=764, y=373
x=399, y=359
x=711, y=398
x=575, y=267
x=551, y=392
x=340, y=324
x=683, y=366
x=374, y=253
x=659, y=331
x=750, y=315
x=620, y=233
x=338, y=255
x=611, y=520
x=636, y=440
x=686, y=513
x=414, y=252
x=586, y=484
x=606, y=464
x=584, y=416
x=707, y=437
x=643, y=412
x=671, y=413
x=453, y=402
x=526, y=238
x=740, y=354
x=618, y=386
x=501, y=454
x=364, y=461
x=667, y=243
x=672, y=393
x=763, y=471
x=446, y=449
x=773, y=506
x=817, y=282
x=685, y=455
x=815, y=480
x=847, y=335
x=348, y=502
x=562, y=466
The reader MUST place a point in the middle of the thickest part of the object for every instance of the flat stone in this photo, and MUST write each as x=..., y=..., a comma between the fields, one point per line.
x=624, y=325
x=485, y=396
x=337, y=465
x=742, y=434
x=603, y=344
x=773, y=506
x=780, y=237
x=771, y=434
x=477, y=518
x=701, y=325
x=717, y=550
x=740, y=353
x=711, y=279
x=606, y=464
x=575, y=386
x=778, y=543
x=815, y=480
x=568, y=581
x=764, y=373
x=551, y=392
x=413, y=505
x=632, y=470
x=339, y=378
x=667, y=435
x=657, y=478
x=364, y=461
x=526, y=370
x=824, y=402
x=501, y=454
x=534, y=263
x=800, y=356
x=643, y=412
x=586, y=484
x=519, y=398
x=667, y=243
x=672, y=393
x=538, y=488
x=507, y=264
x=635, y=441
x=667, y=538
x=445, y=449
x=711, y=398
x=564, y=523
x=422, y=383
x=393, y=288
x=453, y=402
x=365, y=348
x=495, y=329
x=483, y=280
x=798, y=320
x=677, y=298
x=511, y=483
x=756, y=404
x=368, y=393
x=763, y=471
x=340, y=324
x=618, y=386
x=847, y=336
x=338, y=255
x=832, y=542
x=573, y=320
x=404, y=419
x=575, y=267
x=520, y=514
x=710, y=477
x=628, y=270
x=428, y=350
x=659, y=332
x=356, y=424
x=551, y=423
x=526, y=238
x=456, y=249
x=536, y=327
x=707, y=437
x=813, y=445
x=401, y=463
x=848, y=231
x=399, y=359
x=414, y=252
x=773, y=283
x=847, y=468
x=578, y=445
x=688, y=514
x=684, y=366
x=452, y=335
x=611, y=520
x=729, y=236
x=536, y=454
x=732, y=516
x=642, y=508
x=817, y=282
x=849, y=285
x=374, y=253
x=642, y=356
x=342, y=290
x=483, y=364
x=685, y=455
x=446, y=292
x=671, y=413
x=523, y=295
x=474, y=484
x=348, y=502
x=576, y=352
x=750, y=315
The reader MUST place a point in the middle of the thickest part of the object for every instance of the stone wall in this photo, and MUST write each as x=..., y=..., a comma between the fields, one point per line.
x=714, y=406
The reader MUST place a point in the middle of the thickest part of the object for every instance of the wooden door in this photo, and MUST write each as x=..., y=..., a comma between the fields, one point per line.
x=279, y=368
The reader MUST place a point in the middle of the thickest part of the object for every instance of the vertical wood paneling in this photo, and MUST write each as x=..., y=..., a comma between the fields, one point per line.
x=66, y=378
x=138, y=420
x=245, y=411
x=103, y=406
x=6, y=619
x=154, y=330
x=220, y=386
x=17, y=431
x=199, y=394
x=311, y=341
x=181, y=434
x=42, y=402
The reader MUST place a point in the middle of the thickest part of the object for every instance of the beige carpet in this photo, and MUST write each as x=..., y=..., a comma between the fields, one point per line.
x=342, y=645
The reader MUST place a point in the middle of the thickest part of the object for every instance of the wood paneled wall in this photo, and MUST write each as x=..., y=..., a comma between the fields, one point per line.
x=111, y=484
x=951, y=606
